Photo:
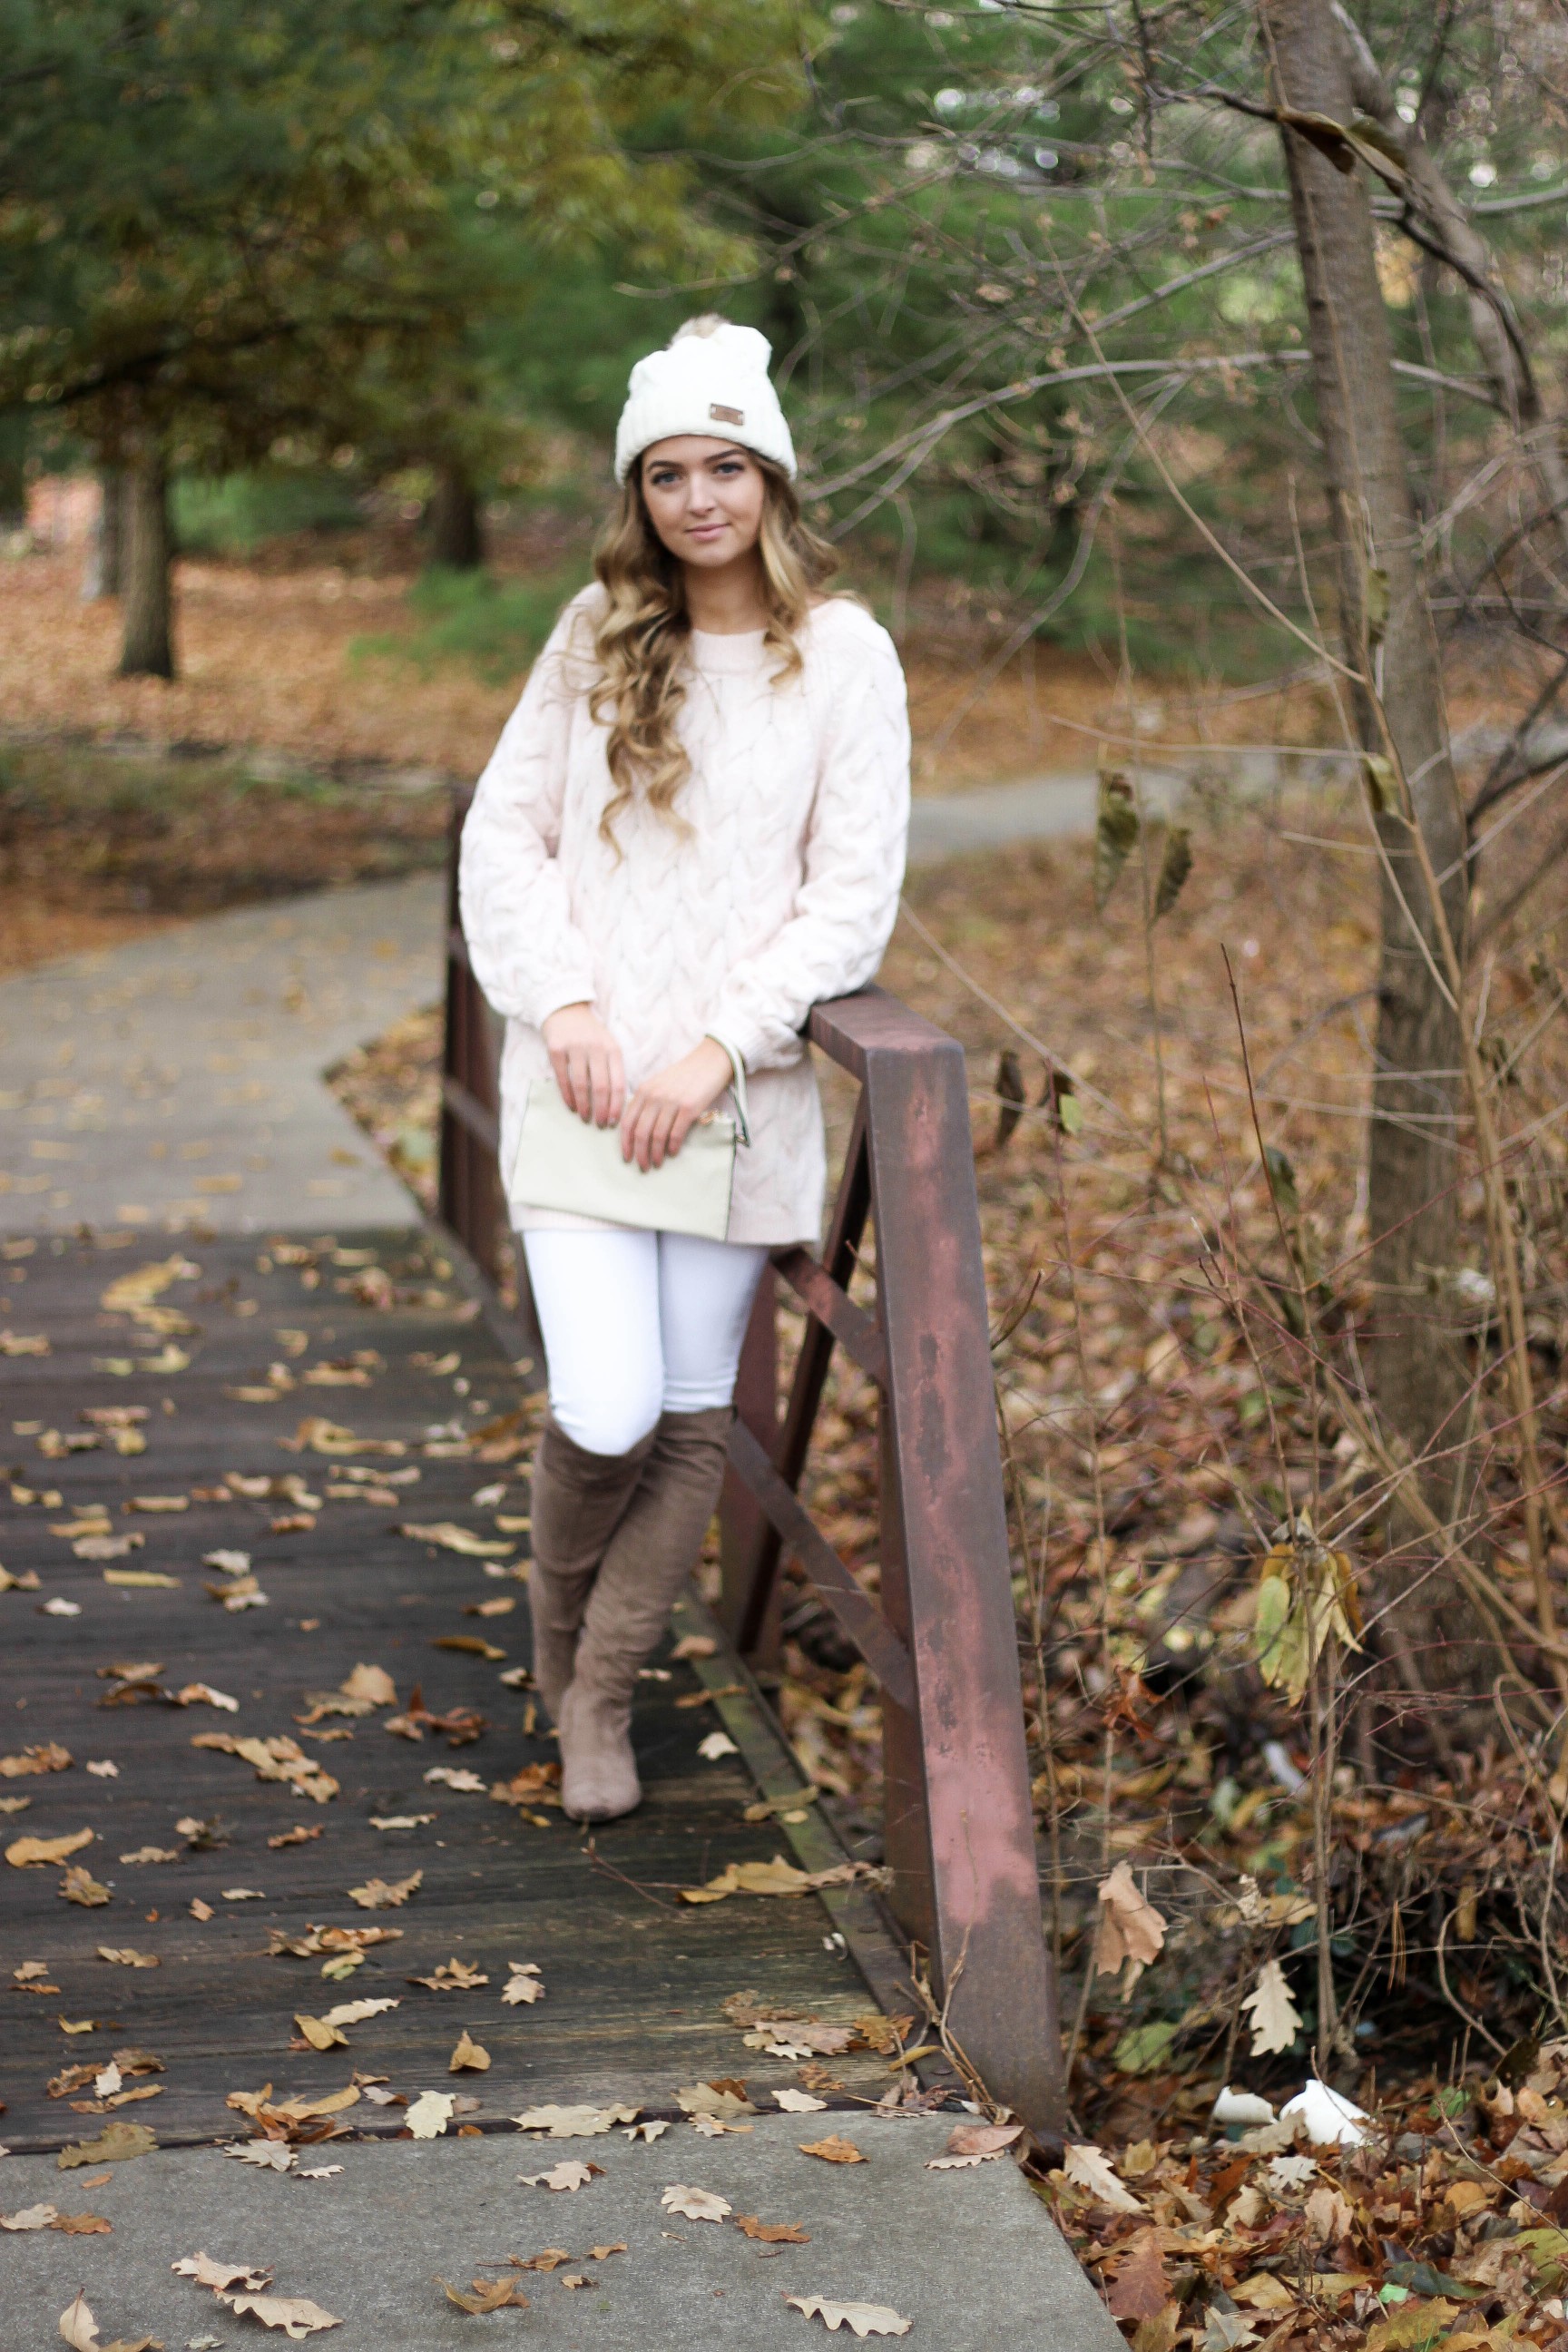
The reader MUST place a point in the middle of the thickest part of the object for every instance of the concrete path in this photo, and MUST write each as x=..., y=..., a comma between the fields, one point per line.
x=1043, y=808
x=177, y=1081
x=967, y=2257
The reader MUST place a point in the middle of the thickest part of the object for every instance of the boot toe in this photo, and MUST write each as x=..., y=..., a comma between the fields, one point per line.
x=598, y=1770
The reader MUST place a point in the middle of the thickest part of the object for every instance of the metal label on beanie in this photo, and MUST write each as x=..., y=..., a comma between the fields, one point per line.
x=722, y=416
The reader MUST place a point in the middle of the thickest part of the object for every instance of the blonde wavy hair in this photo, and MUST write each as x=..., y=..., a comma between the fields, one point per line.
x=642, y=634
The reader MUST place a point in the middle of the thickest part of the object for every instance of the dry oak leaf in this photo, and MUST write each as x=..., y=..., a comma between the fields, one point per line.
x=860, y=2318
x=79, y=2329
x=524, y=1986
x=298, y=1835
x=603, y=2253
x=294, y=2314
x=723, y=2100
x=450, y=1775
x=450, y=1537
x=117, y=2144
x=834, y=2150
x=971, y=2144
x=1130, y=1926
x=125, y=1955
x=469, y=1645
x=799, y=2103
x=431, y=2113
x=208, y=2272
x=29, y=1853
x=550, y=2258
x=695, y=2204
x=453, y=1976
x=485, y=2295
x=79, y=1885
x=575, y=2122
x=570, y=2173
x=1141, y=2287
x=1088, y=2168
x=379, y=1894
x=1276, y=2020
x=775, y=1877
x=469, y=2057
x=770, y=2233
x=373, y=1683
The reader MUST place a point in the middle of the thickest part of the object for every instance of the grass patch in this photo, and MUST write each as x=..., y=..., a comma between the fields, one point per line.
x=494, y=626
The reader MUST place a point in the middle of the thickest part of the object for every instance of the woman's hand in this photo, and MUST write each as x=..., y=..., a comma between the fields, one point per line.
x=587, y=1064
x=661, y=1114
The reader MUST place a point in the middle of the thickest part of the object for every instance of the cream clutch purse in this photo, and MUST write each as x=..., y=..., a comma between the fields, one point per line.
x=564, y=1163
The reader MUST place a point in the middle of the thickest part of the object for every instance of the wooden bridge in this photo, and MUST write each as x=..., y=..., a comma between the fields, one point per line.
x=265, y=1703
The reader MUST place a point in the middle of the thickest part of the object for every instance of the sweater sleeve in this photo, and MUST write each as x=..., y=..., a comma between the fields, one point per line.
x=854, y=863
x=528, y=954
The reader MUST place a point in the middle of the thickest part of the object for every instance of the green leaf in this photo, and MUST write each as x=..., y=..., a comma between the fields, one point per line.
x=1174, y=867
x=1382, y=783
x=1376, y=605
x=1281, y=1180
x=1115, y=833
x=1142, y=2048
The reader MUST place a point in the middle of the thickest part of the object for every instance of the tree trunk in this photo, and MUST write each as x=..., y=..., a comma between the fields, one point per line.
x=1397, y=706
x=456, y=539
x=147, y=645
x=103, y=564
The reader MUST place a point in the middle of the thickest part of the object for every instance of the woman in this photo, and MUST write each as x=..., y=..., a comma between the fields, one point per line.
x=692, y=829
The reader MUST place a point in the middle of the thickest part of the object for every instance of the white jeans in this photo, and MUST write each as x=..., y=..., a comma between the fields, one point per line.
x=636, y=1324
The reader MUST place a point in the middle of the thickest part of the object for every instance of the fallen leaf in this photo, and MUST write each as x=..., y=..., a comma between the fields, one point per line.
x=1276, y=2020
x=1141, y=2287
x=695, y=2204
x=373, y=1683
x=79, y=1885
x=431, y=2113
x=1088, y=2168
x=294, y=2314
x=270, y=2155
x=834, y=2150
x=78, y=2325
x=469, y=1644
x=861, y=2318
x=469, y=2057
x=695, y=1645
x=321, y=2033
x=570, y=2173
x=318, y=1435
x=654, y=2129
x=117, y=2144
x=30, y=1852
x=204, y=1695
x=574, y=2123
x=717, y=1744
x=31, y=2217
x=549, y=2259
x=126, y=1957
x=377, y=1894
x=147, y=1580
x=524, y=1986
x=799, y=2103
x=721, y=2100
x=970, y=2144
x=207, y=2271
x=400, y=1821
x=449, y=1536
x=775, y=1877
x=354, y=2013
x=1131, y=1930
x=486, y=2295
x=300, y=1834
x=603, y=2253
x=772, y=2233
x=107, y=1546
x=453, y=1976
x=200, y=1910
x=467, y=1784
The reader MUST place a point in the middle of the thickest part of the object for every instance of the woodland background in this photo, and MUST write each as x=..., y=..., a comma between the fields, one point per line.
x=1184, y=385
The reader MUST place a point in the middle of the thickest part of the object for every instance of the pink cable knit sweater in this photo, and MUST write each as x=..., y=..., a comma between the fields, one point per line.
x=781, y=890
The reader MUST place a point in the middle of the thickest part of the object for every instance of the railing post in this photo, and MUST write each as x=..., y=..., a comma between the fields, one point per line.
x=960, y=1835
x=743, y=1529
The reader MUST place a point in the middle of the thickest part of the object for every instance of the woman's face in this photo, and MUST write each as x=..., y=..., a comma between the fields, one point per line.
x=704, y=498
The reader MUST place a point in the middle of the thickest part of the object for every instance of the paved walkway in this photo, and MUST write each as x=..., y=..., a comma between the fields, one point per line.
x=177, y=1081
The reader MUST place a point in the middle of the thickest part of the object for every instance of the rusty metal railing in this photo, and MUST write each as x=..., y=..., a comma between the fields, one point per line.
x=940, y=1638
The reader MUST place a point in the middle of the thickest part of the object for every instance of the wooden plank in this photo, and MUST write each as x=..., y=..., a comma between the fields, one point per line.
x=635, y=1979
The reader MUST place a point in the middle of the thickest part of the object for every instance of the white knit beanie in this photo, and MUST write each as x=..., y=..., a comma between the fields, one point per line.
x=712, y=378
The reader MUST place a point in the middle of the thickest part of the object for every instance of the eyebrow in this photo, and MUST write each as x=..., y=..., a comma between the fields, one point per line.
x=679, y=463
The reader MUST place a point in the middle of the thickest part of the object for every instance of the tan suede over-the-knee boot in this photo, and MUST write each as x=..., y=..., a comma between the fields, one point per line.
x=646, y=1563
x=579, y=1500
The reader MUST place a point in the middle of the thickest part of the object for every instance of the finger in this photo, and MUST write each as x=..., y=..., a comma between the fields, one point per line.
x=629, y=1119
x=680, y=1129
x=598, y=1084
x=583, y=1081
x=560, y=1062
x=658, y=1140
x=617, y=1084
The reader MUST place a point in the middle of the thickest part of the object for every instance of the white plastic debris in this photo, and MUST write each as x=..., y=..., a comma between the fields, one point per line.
x=1327, y=2119
x=1241, y=2107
